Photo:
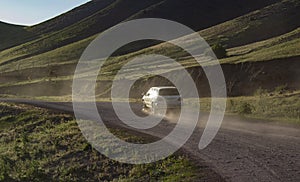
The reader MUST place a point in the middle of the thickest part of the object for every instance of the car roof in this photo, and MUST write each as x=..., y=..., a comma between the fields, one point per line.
x=163, y=87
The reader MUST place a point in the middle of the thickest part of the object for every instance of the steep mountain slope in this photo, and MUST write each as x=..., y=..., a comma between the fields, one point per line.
x=12, y=35
x=70, y=17
x=51, y=73
x=271, y=21
x=104, y=18
x=230, y=28
x=202, y=14
x=271, y=32
x=196, y=14
x=32, y=67
x=284, y=46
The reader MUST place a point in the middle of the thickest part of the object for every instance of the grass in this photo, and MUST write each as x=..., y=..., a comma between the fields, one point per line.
x=88, y=26
x=60, y=56
x=75, y=15
x=284, y=46
x=274, y=106
x=278, y=105
x=164, y=171
x=19, y=59
x=262, y=24
x=37, y=144
x=52, y=47
x=30, y=64
x=12, y=35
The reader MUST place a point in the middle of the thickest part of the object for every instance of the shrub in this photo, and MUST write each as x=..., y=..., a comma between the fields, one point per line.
x=280, y=89
x=260, y=92
x=245, y=108
x=219, y=50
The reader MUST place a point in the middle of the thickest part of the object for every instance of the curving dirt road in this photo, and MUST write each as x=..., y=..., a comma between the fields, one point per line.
x=243, y=150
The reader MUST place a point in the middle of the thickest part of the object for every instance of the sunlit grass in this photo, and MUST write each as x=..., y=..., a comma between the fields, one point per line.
x=270, y=106
x=38, y=145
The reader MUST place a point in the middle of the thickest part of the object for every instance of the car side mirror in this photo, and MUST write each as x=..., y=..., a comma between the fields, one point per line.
x=143, y=94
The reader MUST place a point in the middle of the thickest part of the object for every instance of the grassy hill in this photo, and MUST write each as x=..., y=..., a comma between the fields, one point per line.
x=104, y=18
x=268, y=22
x=59, y=33
x=71, y=17
x=41, y=145
x=30, y=66
x=262, y=38
x=280, y=47
x=201, y=14
x=12, y=35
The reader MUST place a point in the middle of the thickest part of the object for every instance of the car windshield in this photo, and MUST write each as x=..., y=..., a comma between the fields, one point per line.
x=168, y=91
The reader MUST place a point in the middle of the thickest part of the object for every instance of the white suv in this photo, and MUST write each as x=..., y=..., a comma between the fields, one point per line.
x=161, y=97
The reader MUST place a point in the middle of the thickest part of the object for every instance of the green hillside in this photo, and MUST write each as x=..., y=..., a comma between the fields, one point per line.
x=271, y=21
x=41, y=145
x=117, y=11
x=91, y=25
x=31, y=65
x=71, y=17
x=284, y=46
x=201, y=14
x=12, y=35
x=57, y=67
x=261, y=39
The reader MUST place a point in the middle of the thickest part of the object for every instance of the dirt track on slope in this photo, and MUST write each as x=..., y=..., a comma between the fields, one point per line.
x=243, y=150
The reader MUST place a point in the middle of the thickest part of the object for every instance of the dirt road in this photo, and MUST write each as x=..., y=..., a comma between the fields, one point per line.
x=243, y=150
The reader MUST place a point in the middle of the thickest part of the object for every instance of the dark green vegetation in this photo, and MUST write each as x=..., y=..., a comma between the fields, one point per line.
x=39, y=145
x=258, y=43
x=99, y=15
x=262, y=24
x=12, y=35
x=65, y=30
x=219, y=50
x=278, y=105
